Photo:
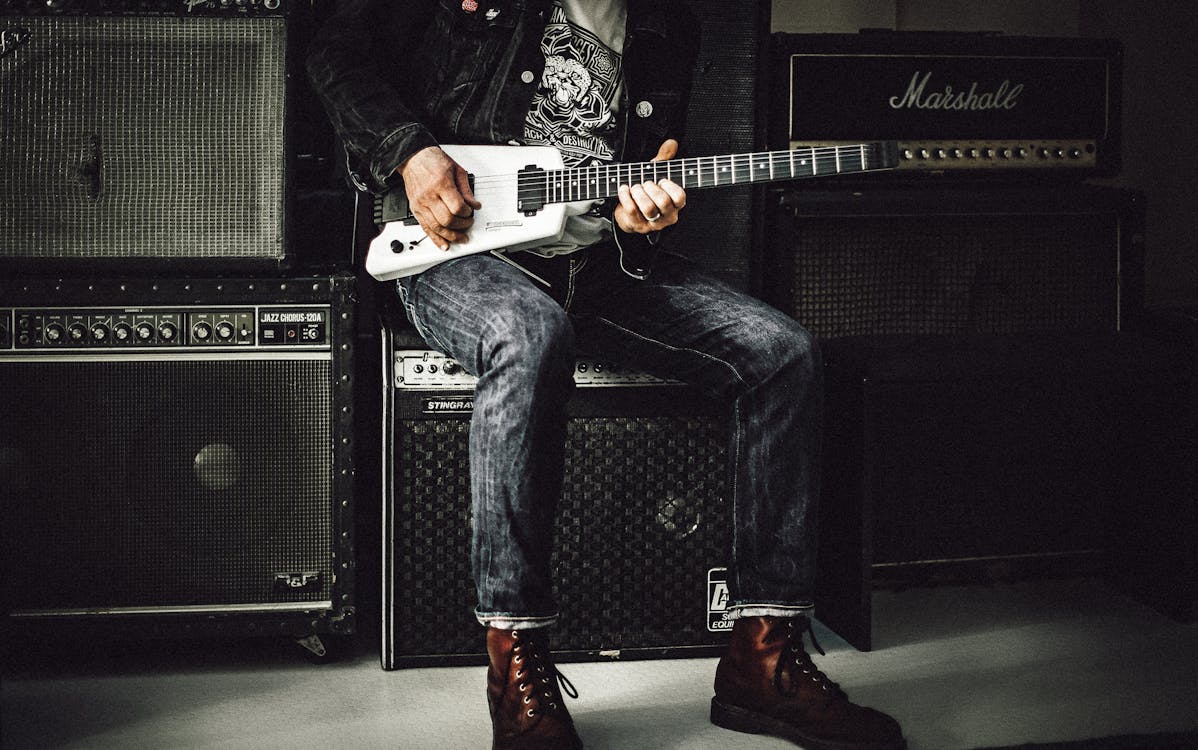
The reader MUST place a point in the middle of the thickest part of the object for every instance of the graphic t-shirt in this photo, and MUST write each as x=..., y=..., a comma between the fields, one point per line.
x=576, y=104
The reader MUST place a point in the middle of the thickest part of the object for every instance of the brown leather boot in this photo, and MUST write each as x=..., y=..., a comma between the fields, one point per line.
x=527, y=710
x=767, y=684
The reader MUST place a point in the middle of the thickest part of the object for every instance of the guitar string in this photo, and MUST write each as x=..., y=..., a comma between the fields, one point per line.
x=739, y=164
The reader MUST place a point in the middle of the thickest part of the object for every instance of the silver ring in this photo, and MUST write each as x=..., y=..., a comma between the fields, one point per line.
x=653, y=219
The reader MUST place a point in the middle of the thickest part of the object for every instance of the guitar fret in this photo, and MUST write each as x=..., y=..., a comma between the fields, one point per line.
x=599, y=181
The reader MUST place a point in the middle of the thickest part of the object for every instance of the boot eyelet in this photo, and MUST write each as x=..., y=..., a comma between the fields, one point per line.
x=527, y=699
x=523, y=686
x=531, y=713
x=519, y=673
x=517, y=659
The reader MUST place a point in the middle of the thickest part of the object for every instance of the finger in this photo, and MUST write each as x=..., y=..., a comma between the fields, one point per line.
x=668, y=150
x=467, y=192
x=676, y=192
x=644, y=196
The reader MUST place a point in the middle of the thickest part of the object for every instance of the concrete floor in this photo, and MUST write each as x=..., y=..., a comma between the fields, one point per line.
x=959, y=666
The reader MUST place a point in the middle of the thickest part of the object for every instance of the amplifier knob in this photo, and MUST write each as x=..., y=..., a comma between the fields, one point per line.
x=1021, y=153
x=987, y=153
x=225, y=330
x=908, y=154
x=144, y=331
x=1075, y=153
x=201, y=331
x=924, y=154
x=955, y=153
x=122, y=331
x=940, y=153
x=55, y=332
x=1059, y=153
x=77, y=332
x=972, y=153
x=100, y=332
x=1045, y=153
x=451, y=368
x=167, y=331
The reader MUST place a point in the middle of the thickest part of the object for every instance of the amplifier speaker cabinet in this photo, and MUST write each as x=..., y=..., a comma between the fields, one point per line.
x=723, y=227
x=642, y=528
x=986, y=260
x=175, y=456
x=143, y=133
x=985, y=457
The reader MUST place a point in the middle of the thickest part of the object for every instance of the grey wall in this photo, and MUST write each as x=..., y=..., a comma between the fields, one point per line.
x=1160, y=94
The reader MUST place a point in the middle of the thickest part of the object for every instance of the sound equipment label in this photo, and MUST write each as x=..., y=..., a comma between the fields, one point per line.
x=718, y=619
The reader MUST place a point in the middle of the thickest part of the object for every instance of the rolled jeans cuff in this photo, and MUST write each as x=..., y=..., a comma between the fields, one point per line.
x=770, y=610
x=509, y=622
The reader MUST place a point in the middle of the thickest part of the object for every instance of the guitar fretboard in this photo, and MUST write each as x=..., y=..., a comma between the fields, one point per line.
x=603, y=181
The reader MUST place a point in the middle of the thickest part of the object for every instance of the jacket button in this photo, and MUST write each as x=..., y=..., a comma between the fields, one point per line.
x=527, y=76
x=644, y=109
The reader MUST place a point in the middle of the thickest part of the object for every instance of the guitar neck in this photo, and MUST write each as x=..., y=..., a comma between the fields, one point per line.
x=602, y=181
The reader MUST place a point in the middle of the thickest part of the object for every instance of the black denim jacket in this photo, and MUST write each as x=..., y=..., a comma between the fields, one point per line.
x=396, y=77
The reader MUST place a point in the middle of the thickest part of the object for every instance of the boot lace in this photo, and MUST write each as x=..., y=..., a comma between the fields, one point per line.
x=540, y=683
x=795, y=661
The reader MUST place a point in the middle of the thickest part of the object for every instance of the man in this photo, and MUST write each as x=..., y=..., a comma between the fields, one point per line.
x=602, y=82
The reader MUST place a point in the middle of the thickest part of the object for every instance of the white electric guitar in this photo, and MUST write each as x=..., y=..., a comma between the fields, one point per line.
x=526, y=193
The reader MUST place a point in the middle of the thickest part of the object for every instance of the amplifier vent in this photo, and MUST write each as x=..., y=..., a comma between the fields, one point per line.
x=130, y=136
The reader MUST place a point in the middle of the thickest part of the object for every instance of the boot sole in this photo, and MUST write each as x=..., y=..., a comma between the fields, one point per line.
x=751, y=722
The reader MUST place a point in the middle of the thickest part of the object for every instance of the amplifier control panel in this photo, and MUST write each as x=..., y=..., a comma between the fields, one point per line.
x=419, y=369
x=945, y=156
x=35, y=330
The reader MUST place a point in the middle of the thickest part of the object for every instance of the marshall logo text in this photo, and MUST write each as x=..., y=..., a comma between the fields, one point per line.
x=1004, y=97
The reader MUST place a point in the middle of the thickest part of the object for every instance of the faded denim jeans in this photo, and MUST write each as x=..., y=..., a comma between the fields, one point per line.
x=521, y=339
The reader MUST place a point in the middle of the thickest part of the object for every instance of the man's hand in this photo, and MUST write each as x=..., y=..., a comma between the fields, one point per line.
x=439, y=195
x=650, y=206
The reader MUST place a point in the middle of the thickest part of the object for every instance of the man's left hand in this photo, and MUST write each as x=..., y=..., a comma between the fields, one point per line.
x=649, y=206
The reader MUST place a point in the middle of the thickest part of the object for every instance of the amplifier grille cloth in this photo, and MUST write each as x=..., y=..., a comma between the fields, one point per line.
x=643, y=517
x=128, y=136
x=164, y=484
x=956, y=274
x=718, y=230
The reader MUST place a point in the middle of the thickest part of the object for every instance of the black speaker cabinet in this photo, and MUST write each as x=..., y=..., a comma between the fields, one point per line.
x=143, y=131
x=726, y=116
x=175, y=455
x=642, y=530
x=983, y=458
x=957, y=261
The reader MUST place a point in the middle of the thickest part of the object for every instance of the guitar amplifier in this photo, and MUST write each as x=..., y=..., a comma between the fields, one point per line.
x=957, y=260
x=176, y=456
x=964, y=105
x=143, y=134
x=642, y=529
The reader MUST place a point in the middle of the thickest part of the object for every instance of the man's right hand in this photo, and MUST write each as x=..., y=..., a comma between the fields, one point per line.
x=439, y=195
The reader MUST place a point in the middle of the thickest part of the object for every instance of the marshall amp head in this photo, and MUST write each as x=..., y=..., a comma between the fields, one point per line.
x=957, y=104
